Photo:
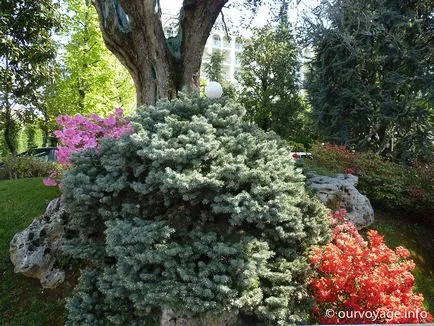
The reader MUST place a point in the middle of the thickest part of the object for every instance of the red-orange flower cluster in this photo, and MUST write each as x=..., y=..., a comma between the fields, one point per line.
x=355, y=275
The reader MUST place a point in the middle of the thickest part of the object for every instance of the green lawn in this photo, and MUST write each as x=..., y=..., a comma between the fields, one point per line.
x=23, y=302
x=419, y=240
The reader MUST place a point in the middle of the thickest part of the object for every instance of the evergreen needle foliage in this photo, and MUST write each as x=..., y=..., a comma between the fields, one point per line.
x=370, y=82
x=197, y=211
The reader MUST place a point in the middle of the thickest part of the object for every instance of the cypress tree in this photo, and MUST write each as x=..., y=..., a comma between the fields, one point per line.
x=370, y=83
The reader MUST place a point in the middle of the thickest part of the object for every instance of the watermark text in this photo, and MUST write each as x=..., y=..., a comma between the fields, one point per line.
x=377, y=315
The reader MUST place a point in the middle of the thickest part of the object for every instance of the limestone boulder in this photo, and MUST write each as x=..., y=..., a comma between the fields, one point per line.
x=339, y=192
x=36, y=251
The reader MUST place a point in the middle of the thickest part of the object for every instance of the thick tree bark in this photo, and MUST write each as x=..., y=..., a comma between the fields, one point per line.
x=132, y=30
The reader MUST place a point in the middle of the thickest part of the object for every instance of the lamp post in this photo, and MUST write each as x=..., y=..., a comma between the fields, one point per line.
x=213, y=90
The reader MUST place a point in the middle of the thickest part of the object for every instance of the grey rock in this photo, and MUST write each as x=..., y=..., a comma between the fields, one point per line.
x=340, y=192
x=350, y=178
x=36, y=250
x=171, y=318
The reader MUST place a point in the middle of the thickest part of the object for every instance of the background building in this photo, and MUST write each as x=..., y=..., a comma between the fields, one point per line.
x=231, y=50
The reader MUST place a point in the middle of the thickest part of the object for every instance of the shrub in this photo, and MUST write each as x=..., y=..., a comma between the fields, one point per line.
x=383, y=181
x=196, y=211
x=15, y=167
x=338, y=159
x=387, y=184
x=79, y=133
x=363, y=281
x=420, y=187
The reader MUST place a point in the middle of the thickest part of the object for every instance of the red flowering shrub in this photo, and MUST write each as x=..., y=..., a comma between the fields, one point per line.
x=361, y=282
x=335, y=158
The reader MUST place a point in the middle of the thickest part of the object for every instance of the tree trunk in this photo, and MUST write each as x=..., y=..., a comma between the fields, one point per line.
x=160, y=67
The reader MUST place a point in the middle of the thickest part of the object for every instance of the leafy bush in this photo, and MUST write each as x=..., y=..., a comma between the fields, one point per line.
x=15, y=167
x=387, y=184
x=335, y=158
x=196, y=211
x=383, y=180
x=394, y=186
x=79, y=133
x=420, y=187
x=362, y=282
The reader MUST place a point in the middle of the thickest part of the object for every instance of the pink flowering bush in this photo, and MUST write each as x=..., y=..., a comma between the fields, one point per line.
x=51, y=181
x=79, y=133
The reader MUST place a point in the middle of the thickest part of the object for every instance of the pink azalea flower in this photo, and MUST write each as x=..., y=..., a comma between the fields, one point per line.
x=110, y=121
x=49, y=182
x=80, y=132
x=91, y=143
x=119, y=112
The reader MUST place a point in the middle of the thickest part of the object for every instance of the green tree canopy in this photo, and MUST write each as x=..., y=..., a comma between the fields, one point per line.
x=269, y=80
x=26, y=53
x=213, y=68
x=371, y=80
x=92, y=80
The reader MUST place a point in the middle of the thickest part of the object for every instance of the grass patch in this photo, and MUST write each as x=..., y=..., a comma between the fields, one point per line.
x=418, y=239
x=23, y=301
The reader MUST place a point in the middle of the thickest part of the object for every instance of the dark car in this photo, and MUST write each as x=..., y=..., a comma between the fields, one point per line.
x=45, y=153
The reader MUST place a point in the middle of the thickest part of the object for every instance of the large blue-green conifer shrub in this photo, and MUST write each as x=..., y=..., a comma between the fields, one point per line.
x=197, y=211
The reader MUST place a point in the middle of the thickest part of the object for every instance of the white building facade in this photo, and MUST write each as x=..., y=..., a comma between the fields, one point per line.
x=231, y=50
x=232, y=47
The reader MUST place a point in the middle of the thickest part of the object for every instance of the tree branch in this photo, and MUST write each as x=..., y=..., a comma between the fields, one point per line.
x=118, y=42
x=225, y=26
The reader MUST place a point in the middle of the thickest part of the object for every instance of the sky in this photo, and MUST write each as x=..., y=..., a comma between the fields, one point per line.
x=172, y=7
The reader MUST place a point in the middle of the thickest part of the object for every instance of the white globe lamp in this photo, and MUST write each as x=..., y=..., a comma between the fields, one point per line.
x=213, y=90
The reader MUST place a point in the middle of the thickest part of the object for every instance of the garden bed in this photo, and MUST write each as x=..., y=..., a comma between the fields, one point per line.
x=24, y=302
